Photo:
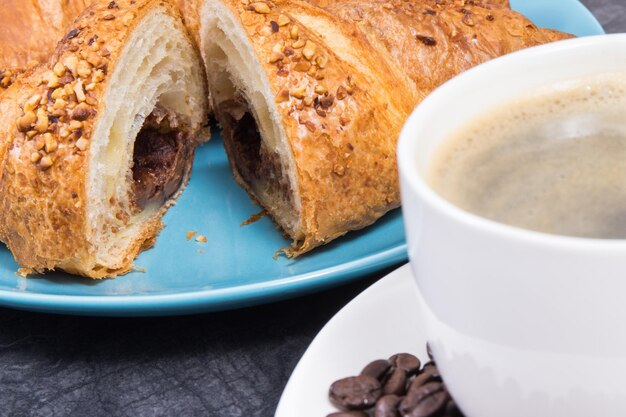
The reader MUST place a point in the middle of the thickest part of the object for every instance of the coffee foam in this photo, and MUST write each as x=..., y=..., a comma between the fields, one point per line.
x=554, y=161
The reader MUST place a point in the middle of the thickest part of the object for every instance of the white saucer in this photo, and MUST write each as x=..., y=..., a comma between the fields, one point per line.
x=381, y=321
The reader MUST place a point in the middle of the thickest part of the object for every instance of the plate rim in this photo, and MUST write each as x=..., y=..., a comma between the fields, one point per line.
x=205, y=300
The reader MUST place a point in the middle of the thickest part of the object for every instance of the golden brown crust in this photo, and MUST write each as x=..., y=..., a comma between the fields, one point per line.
x=47, y=118
x=30, y=29
x=327, y=3
x=346, y=77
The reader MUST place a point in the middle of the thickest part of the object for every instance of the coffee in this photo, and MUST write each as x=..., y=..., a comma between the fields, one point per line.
x=554, y=162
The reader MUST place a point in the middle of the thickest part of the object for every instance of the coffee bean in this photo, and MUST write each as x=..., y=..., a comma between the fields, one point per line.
x=429, y=352
x=387, y=406
x=396, y=383
x=377, y=369
x=348, y=414
x=355, y=392
x=381, y=390
x=428, y=374
x=406, y=361
x=451, y=410
x=424, y=401
x=429, y=365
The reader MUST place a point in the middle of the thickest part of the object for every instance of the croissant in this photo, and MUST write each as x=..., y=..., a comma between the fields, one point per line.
x=97, y=142
x=311, y=99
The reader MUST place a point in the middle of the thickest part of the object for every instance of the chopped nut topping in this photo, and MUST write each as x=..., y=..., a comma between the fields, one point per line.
x=274, y=26
x=128, y=18
x=25, y=122
x=32, y=102
x=81, y=112
x=75, y=125
x=320, y=89
x=35, y=157
x=260, y=7
x=69, y=91
x=58, y=69
x=299, y=92
x=426, y=40
x=78, y=90
x=51, y=144
x=40, y=142
x=83, y=69
x=327, y=101
x=31, y=133
x=94, y=59
x=294, y=32
x=320, y=113
x=58, y=93
x=276, y=54
x=341, y=92
x=283, y=20
x=98, y=76
x=302, y=66
x=275, y=57
x=309, y=50
x=282, y=96
x=53, y=81
x=339, y=170
x=72, y=34
x=71, y=62
x=59, y=104
x=321, y=61
x=108, y=17
x=82, y=144
x=42, y=121
x=298, y=44
x=45, y=163
x=63, y=132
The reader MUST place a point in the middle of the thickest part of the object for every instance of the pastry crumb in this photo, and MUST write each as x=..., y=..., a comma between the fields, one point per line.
x=200, y=251
x=24, y=272
x=255, y=218
x=191, y=234
x=201, y=239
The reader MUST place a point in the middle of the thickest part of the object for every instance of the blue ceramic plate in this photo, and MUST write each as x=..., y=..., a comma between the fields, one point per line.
x=235, y=267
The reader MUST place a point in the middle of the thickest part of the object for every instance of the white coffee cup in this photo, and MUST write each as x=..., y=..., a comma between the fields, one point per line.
x=521, y=323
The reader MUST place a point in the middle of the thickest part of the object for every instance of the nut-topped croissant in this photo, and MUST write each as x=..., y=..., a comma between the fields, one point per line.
x=311, y=100
x=98, y=142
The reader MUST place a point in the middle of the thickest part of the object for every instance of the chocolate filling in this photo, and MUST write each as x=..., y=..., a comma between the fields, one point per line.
x=258, y=166
x=159, y=163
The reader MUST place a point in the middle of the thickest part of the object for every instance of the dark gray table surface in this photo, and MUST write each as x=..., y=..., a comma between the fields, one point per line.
x=227, y=364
